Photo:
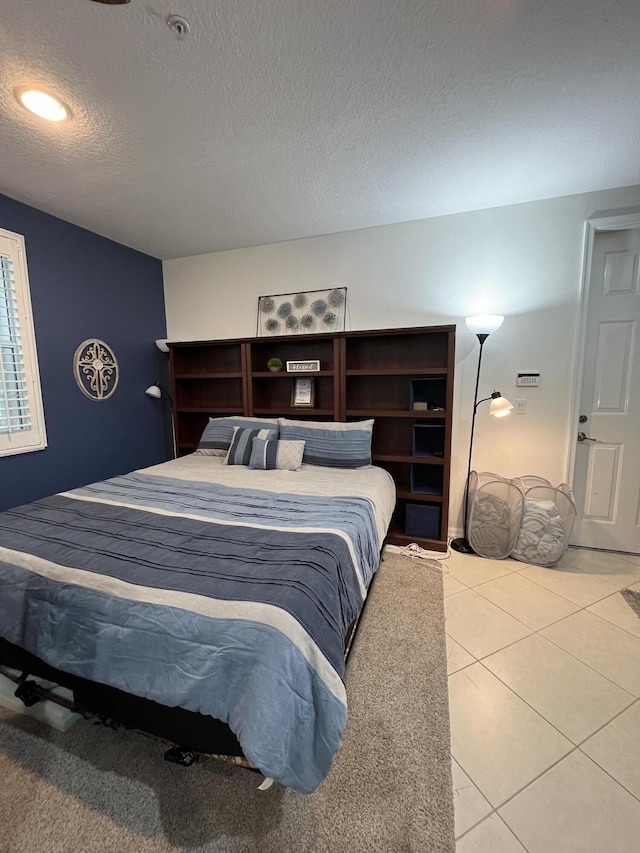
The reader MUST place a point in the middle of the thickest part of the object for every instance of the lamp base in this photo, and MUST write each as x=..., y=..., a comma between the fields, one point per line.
x=461, y=545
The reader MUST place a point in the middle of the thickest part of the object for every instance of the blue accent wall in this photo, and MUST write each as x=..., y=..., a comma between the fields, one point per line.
x=86, y=286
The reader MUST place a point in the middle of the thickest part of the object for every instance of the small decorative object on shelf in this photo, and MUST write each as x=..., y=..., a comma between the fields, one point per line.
x=303, y=366
x=275, y=364
x=302, y=313
x=303, y=393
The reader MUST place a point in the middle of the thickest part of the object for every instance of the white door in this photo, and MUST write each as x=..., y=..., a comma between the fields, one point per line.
x=607, y=467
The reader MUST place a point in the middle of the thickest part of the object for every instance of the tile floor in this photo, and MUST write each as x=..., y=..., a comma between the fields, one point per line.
x=544, y=693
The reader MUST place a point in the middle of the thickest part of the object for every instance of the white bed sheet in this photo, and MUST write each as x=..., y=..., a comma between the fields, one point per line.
x=374, y=484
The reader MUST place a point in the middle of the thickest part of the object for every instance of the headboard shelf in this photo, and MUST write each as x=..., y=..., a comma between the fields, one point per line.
x=307, y=412
x=392, y=413
x=414, y=460
x=223, y=374
x=213, y=410
x=284, y=375
x=397, y=371
x=402, y=378
x=407, y=494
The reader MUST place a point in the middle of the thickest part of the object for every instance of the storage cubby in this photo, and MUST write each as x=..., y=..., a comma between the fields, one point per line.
x=428, y=393
x=377, y=374
x=193, y=359
x=293, y=348
x=401, y=473
x=429, y=439
x=391, y=436
x=427, y=479
x=406, y=352
x=422, y=521
x=272, y=395
x=189, y=427
x=376, y=393
x=412, y=523
x=211, y=394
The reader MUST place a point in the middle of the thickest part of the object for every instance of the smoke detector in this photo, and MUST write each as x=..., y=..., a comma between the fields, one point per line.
x=179, y=25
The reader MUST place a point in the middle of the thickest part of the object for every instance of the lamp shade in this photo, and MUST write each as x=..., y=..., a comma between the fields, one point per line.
x=484, y=324
x=153, y=391
x=500, y=406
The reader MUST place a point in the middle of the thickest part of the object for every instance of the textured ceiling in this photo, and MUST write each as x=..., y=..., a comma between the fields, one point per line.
x=277, y=119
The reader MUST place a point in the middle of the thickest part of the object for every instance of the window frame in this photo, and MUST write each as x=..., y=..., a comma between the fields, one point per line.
x=12, y=245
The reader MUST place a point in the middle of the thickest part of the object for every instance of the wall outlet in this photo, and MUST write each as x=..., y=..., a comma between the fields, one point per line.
x=521, y=407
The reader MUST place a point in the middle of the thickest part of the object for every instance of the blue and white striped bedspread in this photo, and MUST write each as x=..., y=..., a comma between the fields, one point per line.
x=230, y=602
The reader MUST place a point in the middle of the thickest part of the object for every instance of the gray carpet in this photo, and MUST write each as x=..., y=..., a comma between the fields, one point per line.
x=98, y=791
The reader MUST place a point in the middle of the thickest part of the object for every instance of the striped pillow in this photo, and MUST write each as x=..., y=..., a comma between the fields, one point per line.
x=217, y=435
x=239, y=452
x=271, y=454
x=333, y=445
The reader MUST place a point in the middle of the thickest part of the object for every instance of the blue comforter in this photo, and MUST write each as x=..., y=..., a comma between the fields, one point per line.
x=230, y=602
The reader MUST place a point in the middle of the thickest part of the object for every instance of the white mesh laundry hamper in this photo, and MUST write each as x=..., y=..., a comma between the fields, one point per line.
x=495, y=513
x=547, y=520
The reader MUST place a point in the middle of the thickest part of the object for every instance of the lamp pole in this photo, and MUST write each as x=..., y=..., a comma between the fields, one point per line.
x=482, y=326
x=157, y=391
x=462, y=544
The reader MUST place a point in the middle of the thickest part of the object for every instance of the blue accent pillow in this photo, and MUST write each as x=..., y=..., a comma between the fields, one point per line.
x=239, y=452
x=331, y=444
x=217, y=435
x=271, y=454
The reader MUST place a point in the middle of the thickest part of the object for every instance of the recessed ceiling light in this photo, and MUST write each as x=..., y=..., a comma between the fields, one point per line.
x=43, y=105
x=111, y=2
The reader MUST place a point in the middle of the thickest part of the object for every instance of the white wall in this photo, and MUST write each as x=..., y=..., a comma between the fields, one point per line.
x=523, y=261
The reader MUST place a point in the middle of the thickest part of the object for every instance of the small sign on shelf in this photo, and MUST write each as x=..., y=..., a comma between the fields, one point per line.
x=309, y=366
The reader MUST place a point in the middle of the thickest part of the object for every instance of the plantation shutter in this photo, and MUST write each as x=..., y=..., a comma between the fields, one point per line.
x=21, y=416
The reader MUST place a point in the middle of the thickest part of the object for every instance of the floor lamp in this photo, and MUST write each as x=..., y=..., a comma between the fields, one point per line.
x=156, y=390
x=482, y=325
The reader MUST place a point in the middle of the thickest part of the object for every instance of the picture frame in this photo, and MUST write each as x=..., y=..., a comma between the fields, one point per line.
x=303, y=393
x=302, y=313
x=309, y=365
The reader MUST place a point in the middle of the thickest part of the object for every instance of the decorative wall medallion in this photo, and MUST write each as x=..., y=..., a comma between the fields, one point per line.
x=96, y=370
x=302, y=313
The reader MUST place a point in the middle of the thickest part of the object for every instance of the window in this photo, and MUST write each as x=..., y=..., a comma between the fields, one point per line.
x=21, y=414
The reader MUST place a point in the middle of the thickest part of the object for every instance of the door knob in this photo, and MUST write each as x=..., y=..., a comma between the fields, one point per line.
x=582, y=436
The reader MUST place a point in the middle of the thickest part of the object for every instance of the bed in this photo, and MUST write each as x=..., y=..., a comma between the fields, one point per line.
x=215, y=590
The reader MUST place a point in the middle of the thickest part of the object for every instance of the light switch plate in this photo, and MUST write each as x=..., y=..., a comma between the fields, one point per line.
x=521, y=407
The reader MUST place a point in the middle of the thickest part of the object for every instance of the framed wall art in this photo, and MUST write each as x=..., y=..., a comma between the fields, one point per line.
x=96, y=369
x=302, y=313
